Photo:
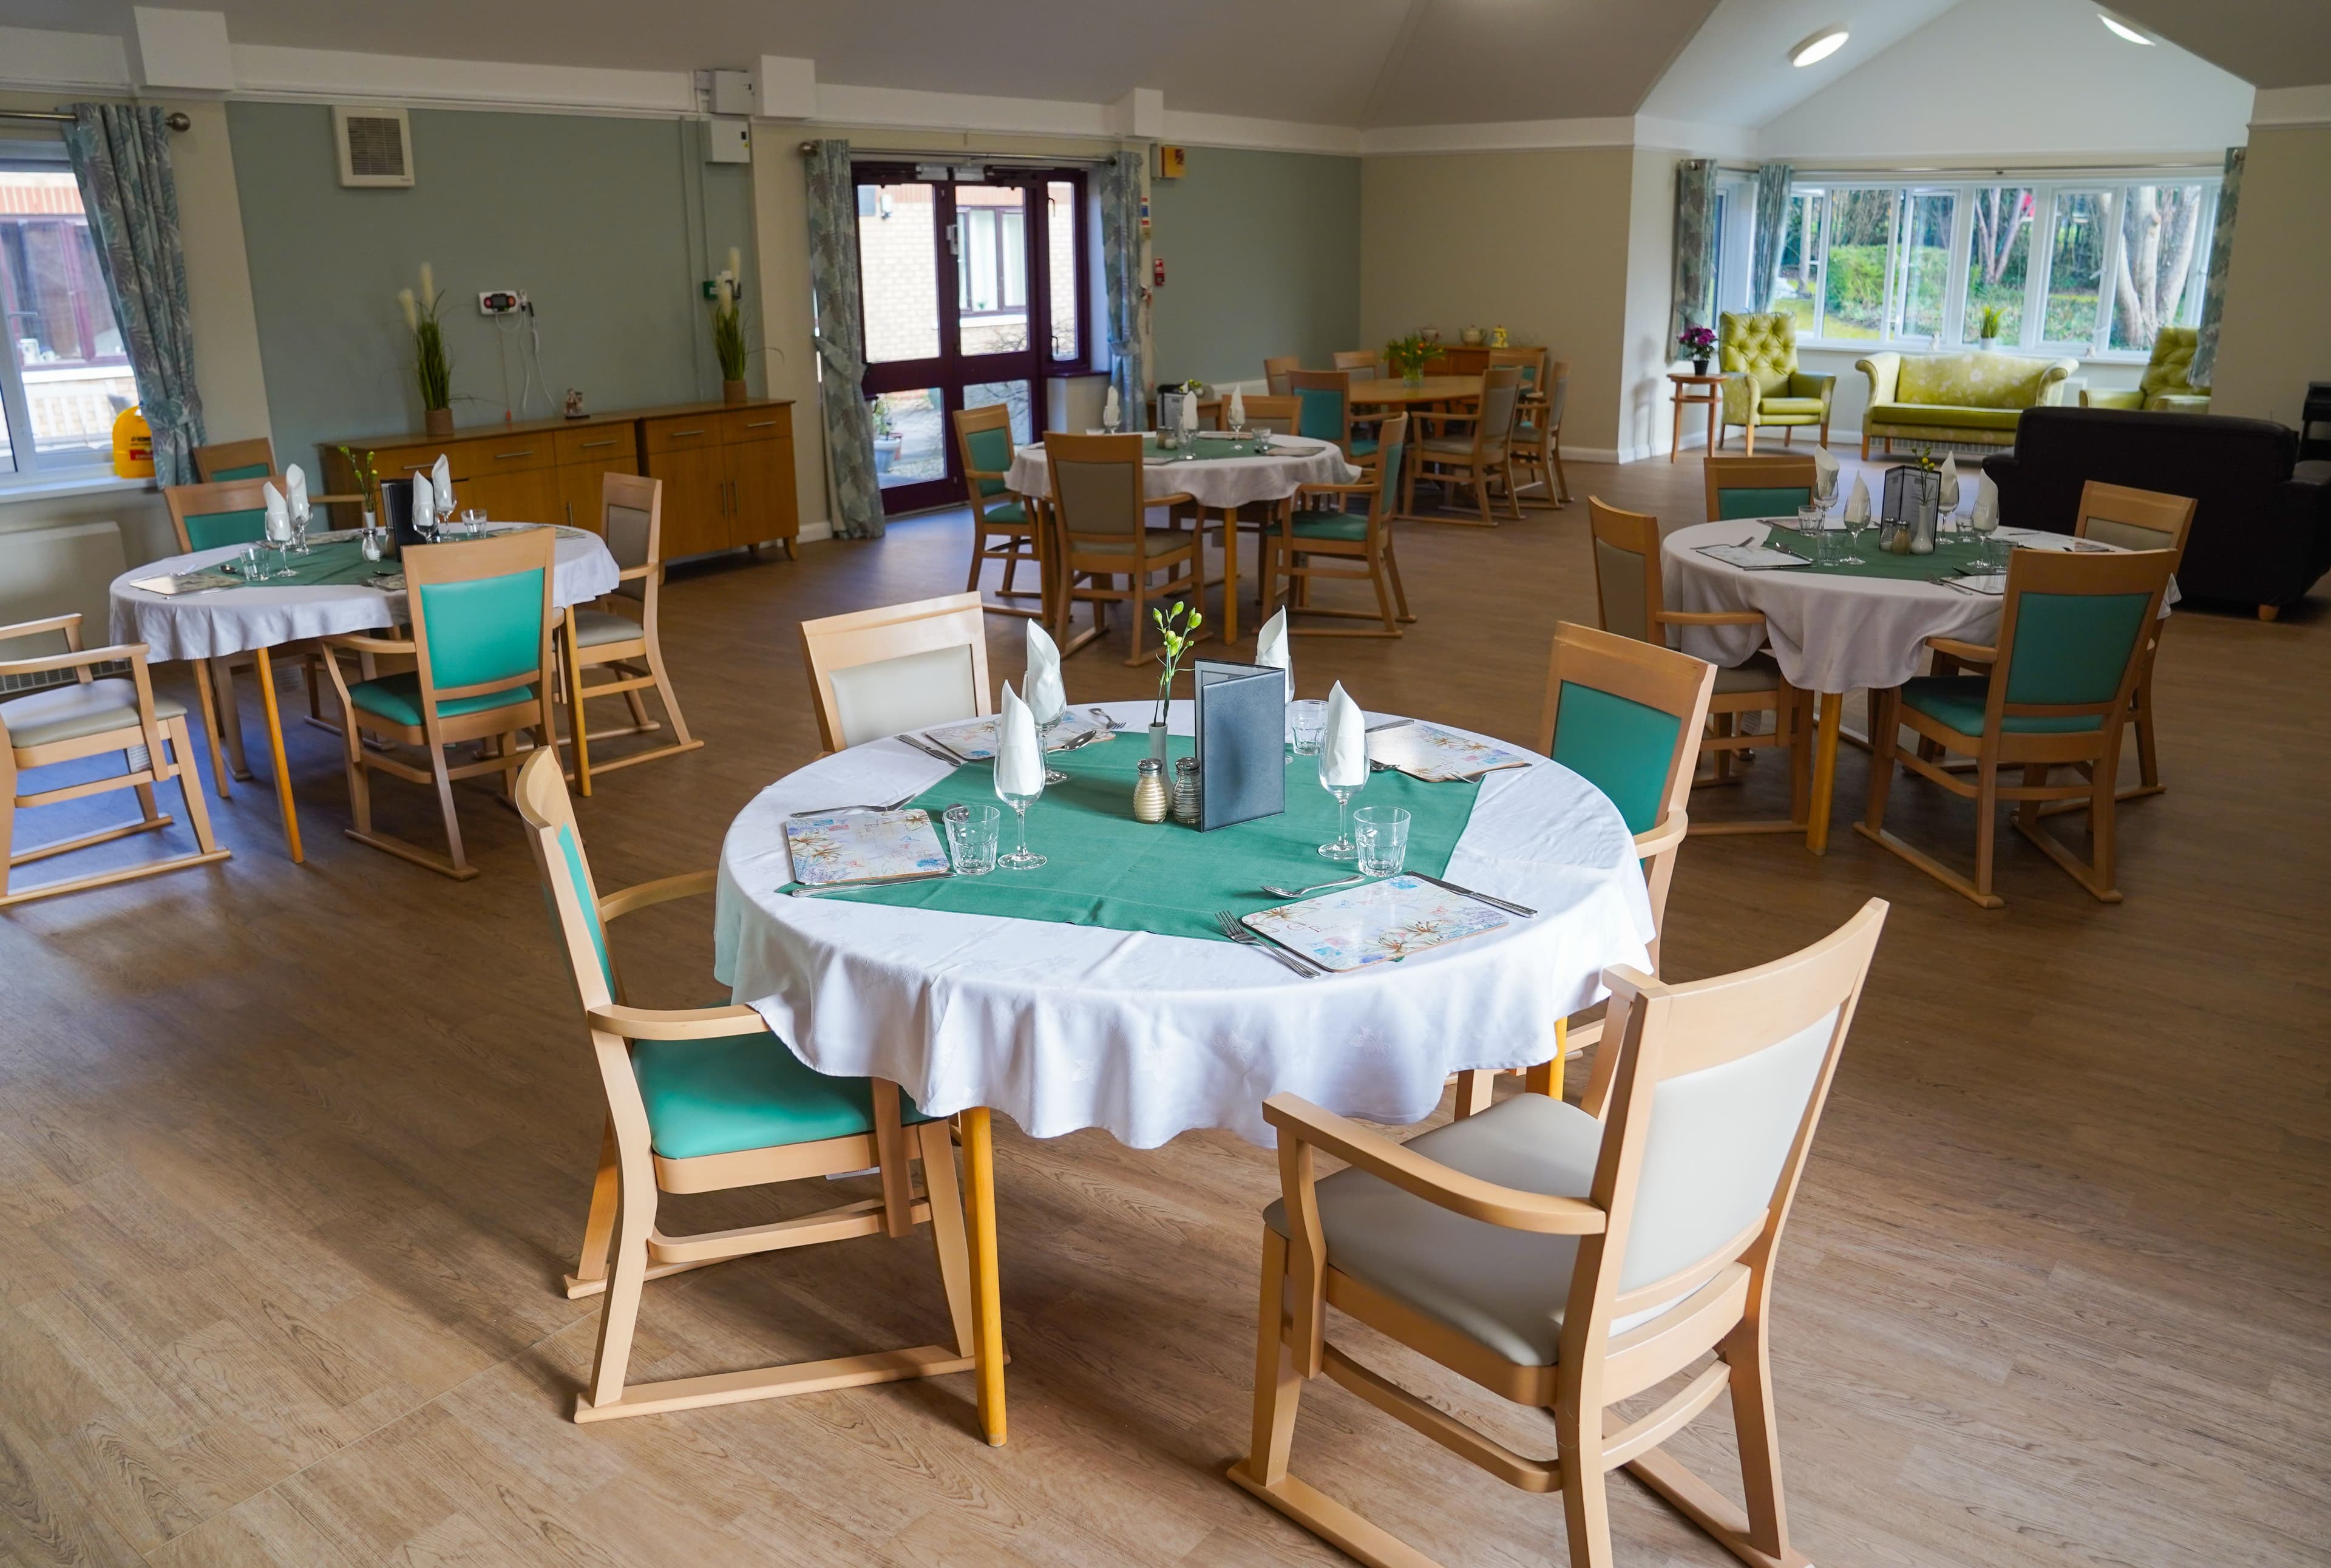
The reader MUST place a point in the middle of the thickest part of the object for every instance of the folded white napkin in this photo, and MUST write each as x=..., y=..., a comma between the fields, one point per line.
x=424, y=506
x=278, y=513
x=1047, y=700
x=1987, y=500
x=1237, y=409
x=1019, y=756
x=295, y=493
x=441, y=482
x=1189, y=412
x=1270, y=648
x=1108, y=407
x=1825, y=474
x=1950, y=498
x=1344, y=751
x=1857, y=505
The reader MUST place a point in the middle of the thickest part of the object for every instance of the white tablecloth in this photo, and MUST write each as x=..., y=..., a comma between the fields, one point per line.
x=1217, y=482
x=1062, y=1027
x=236, y=620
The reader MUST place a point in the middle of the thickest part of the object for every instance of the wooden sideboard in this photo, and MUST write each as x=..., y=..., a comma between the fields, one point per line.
x=727, y=469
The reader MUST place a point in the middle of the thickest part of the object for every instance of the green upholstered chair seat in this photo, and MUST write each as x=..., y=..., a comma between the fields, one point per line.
x=1160, y=541
x=397, y=698
x=1761, y=501
x=1957, y=700
x=1758, y=674
x=745, y=1091
x=1005, y=512
x=1775, y=408
x=594, y=628
x=77, y=711
x=1950, y=415
x=213, y=530
x=1344, y=526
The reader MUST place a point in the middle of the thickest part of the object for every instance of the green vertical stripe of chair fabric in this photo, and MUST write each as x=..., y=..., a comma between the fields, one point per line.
x=1620, y=746
x=1773, y=501
x=486, y=629
x=250, y=470
x=2072, y=648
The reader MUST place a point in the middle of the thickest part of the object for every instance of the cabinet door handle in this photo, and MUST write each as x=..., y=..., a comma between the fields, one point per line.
x=506, y=456
x=589, y=444
x=679, y=434
x=759, y=423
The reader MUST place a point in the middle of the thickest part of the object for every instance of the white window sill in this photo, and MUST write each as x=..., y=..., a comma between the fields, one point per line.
x=2045, y=351
x=57, y=487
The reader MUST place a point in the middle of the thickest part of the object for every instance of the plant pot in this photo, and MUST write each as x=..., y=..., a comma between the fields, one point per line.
x=886, y=452
x=437, y=422
x=733, y=391
x=1989, y=345
x=1699, y=367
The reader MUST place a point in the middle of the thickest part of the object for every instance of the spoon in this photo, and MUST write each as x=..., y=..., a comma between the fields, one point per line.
x=1304, y=892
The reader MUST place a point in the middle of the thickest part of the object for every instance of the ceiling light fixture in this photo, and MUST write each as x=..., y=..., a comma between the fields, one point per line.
x=2120, y=29
x=1820, y=46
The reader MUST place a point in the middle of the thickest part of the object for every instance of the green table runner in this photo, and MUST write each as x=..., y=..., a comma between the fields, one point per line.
x=1104, y=869
x=339, y=564
x=1954, y=553
x=1209, y=447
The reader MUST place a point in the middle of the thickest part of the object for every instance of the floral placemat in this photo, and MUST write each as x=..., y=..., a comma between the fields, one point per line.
x=1395, y=918
x=854, y=848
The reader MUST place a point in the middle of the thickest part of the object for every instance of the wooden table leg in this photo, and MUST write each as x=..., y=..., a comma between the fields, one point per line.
x=987, y=1294
x=1674, y=442
x=1833, y=706
x=203, y=690
x=1715, y=404
x=266, y=673
x=1230, y=572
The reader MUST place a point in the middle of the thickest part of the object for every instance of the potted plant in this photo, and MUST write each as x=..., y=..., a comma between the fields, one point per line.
x=1991, y=322
x=432, y=367
x=1409, y=355
x=729, y=330
x=1697, y=343
x=887, y=439
x=1177, y=630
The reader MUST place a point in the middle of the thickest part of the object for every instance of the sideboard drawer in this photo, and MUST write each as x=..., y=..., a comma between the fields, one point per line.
x=757, y=424
x=597, y=444
x=682, y=435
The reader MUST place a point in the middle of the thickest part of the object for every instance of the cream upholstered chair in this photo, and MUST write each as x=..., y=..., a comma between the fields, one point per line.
x=481, y=611
x=1278, y=415
x=876, y=672
x=1103, y=521
x=1627, y=584
x=1308, y=536
x=2165, y=386
x=85, y=717
x=706, y=1100
x=1571, y=1260
x=1468, y=449
x=626, y=634
x=1001, y=527
x=1275, y=372
x=2073, y=635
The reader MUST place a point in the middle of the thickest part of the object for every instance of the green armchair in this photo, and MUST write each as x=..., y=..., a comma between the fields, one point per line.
x=1762, y=383
x=2164, y=389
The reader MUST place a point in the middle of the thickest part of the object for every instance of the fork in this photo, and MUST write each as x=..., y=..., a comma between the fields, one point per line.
x=831, y=811
x=1229, y=921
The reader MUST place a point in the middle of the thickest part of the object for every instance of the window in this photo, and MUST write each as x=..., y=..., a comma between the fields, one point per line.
x=2087, y=268
x=64, y=376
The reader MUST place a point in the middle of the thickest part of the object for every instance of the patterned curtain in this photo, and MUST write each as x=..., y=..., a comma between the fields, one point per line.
x=2204, y=363
x=121, y=156
x=1772, y=228
x=1695, y=246
x=1119, y=186
x=833, y=285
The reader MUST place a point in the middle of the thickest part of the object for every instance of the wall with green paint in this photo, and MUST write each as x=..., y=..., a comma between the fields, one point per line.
x=608, y=225
x=1261, y=252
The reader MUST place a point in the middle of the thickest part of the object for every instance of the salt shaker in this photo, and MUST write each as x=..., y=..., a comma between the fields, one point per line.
x=1185, y=791
x=1149, y=791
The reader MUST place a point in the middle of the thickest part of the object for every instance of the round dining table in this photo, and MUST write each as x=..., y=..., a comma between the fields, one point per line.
x=1219, y=474
x=1390, y=392
x=1834, y=629
x=214, y=623
x=1083, y=996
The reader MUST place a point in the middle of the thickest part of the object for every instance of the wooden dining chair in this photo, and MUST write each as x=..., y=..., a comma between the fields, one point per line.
x=1001, y=527
x=623, y=633
x=1105, y=534
x=2136, y=520
x=2061, y=683
x=1571, y=1260
x=1278, y=415
x=480, y=646
x=1362, y=362
x=1468, y=448
x=1629, y=586
x=1773, y=485
x=1326, y=396
x=224, y=461
x=1537, y=436
x=1356, y=545
x=84, y=717
x=707, y=1099
x=900, y=667
x=1276, y=371
x=211, y=517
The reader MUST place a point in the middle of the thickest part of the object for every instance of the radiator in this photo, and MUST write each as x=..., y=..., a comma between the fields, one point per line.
x=55, y=571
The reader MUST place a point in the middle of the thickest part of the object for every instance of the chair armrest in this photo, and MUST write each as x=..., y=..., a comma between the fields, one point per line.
x=2180, y=402
x=676, y=1024
x=663, y=890
x=79, y=658
x=1805, y=384
x=2130, y=399
x=357, y=643
x=1360, y=488
x=68, y=624
x=1660, y=838
x=1741, y=396
x=1510, y=1207
x=1969, y=652
x=1884, y=371
x=1711, y=617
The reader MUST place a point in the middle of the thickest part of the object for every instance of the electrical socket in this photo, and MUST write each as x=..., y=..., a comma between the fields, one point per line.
x=501, y=301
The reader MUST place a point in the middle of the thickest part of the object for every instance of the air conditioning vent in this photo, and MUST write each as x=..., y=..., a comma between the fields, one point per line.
x=375, y=146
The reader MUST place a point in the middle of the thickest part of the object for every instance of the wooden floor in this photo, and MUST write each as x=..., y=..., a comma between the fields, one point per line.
x=291, y=1160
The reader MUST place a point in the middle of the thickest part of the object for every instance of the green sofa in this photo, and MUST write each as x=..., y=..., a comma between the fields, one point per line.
x=1762, y=384
x=1971, y=399
x=2164, y=389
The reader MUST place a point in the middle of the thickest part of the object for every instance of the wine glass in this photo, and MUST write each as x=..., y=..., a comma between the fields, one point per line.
x=1021, y=859
x=1341, y=848
x=1984, y=522
x=1044, y=729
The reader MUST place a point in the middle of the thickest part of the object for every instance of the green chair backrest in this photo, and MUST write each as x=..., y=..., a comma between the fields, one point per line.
x=2072, y=648
x=579, y=878
x=991, y=450
x=212, y=530
x=483, y=630
x=250, y=470
x=1323, y=414
x=1622, y=748
x=1388, y=456
x=1761, y=501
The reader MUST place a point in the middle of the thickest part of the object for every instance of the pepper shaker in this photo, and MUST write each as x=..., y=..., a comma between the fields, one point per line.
x=1186, y=789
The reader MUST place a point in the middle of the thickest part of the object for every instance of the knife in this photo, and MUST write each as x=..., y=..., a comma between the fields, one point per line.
x=929, y=751
x=809, y=892
x=957, y=757
x=1524, y=910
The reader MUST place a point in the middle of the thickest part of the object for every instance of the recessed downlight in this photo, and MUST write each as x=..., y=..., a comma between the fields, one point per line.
x=1820, y=46
x=2122, y=29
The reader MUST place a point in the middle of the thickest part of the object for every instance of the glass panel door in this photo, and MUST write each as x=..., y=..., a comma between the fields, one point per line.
x=972, y=290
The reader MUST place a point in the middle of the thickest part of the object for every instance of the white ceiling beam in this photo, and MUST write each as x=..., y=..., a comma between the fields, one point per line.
x=2291, y=106
x=180, y=50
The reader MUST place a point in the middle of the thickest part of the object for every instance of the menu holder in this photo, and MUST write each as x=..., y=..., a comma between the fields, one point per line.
x=865, y=849
x=1437, y=755
x=1241, y=742
x=1380, y=922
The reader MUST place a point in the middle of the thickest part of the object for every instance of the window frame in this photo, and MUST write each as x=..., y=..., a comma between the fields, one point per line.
x=31, y=468
x=2040, y=261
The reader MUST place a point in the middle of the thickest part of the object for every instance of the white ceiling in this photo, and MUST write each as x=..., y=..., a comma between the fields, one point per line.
x=1346, y=63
